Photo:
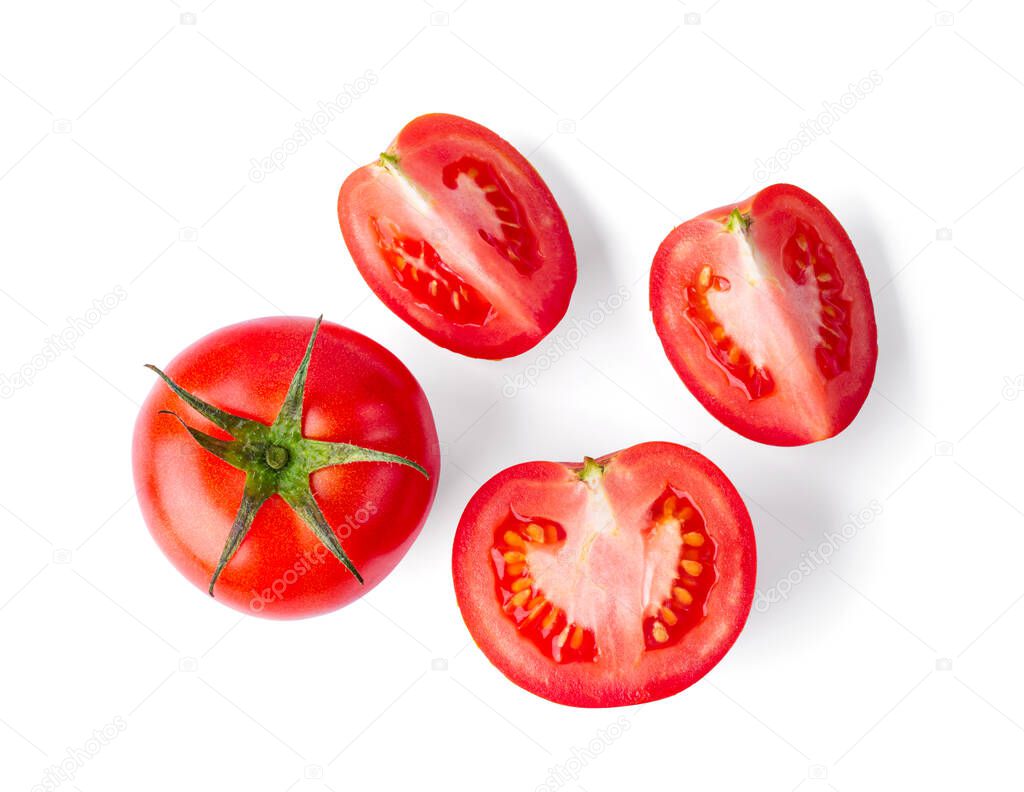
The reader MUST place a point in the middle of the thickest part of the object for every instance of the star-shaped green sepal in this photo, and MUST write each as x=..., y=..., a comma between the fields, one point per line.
x=277, y=460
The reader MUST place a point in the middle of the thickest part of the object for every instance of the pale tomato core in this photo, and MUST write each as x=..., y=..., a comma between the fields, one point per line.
x=757, y=311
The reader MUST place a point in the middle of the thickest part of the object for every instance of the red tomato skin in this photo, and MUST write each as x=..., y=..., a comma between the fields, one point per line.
x=356, y=392
x=663, y=673
x=445, y=137
x=762, y=425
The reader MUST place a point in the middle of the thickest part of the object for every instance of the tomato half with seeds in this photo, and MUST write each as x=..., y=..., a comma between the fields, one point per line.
x=765, y=313
x=616, y=581
x=284, y=466
x=457, y=234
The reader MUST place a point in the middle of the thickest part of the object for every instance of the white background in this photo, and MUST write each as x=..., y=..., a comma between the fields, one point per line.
x=125, y=150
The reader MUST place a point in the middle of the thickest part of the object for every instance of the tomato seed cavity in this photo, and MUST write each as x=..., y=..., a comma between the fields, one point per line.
x=666, y=622
x=540, y=620
x=517, y=244
x=806, y=255
x=417, y=267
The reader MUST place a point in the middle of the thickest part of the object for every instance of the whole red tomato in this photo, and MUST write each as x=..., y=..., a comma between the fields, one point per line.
x=457, y=234
x=301, y=467
x=616, y=581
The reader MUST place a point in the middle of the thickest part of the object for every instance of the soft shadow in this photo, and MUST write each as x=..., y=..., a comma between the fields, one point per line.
x=895, y=370
x=811, y=483
x=595, y=280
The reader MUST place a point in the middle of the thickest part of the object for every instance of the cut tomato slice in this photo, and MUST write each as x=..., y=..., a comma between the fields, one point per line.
x=618, y=581
x=764, y=311
x=458, y=235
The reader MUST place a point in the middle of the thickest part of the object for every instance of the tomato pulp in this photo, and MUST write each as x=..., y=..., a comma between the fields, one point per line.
x=298, y=481
x=618, y=581
x=459, y=236
x=765, y=313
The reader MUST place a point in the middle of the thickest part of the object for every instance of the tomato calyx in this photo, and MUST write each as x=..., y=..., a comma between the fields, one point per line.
x=277, y=460
x=389, y=162
x=737, y=222
x=591, y=471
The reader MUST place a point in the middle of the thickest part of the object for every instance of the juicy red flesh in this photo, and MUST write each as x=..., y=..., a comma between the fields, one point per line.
x=756, y=381
x=417, y=267
x=621, y=533
x=537, y=619
x=806, y=255
x=477, y=214
x=799, y=306
x=517, y=243
x=685, y=606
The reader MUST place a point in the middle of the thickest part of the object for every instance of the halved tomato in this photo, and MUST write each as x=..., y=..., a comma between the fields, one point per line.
x=616, y=581
x=458, y=235
x=765, y=312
